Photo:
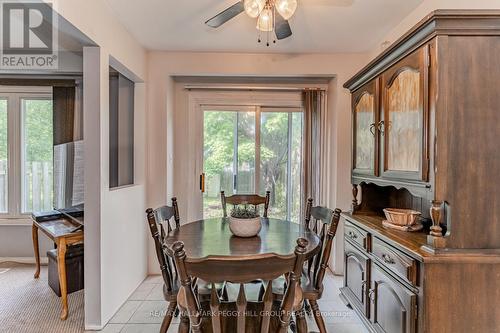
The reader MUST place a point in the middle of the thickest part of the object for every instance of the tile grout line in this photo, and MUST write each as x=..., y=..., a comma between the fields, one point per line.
x=140, y=304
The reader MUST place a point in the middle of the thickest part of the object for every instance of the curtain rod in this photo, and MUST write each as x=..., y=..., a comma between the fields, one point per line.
x=259, y=88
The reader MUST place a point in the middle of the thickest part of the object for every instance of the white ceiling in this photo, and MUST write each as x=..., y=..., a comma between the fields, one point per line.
x=318, y=25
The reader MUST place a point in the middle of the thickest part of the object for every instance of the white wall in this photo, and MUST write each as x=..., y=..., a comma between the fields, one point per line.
x=115, y=227
x=425, y=8
x=16, y=243
x=163, y=109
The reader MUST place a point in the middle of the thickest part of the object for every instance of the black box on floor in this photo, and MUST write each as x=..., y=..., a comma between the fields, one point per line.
x=74, y=269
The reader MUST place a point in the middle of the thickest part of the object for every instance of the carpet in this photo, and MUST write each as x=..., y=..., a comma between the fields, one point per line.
x=29, y=305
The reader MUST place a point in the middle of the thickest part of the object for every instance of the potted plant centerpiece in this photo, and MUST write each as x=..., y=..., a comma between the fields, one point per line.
x=244, y=221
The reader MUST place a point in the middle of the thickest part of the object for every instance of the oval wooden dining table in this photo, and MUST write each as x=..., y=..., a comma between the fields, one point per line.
x=212, y=238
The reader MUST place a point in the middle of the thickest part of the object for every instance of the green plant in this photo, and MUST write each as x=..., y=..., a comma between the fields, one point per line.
x=244, y=212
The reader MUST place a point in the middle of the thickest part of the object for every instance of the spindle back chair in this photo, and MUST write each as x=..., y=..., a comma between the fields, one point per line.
x=249, y=199
x=219, y=269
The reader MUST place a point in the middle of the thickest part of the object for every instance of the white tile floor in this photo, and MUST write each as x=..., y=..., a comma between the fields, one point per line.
x=142, y=311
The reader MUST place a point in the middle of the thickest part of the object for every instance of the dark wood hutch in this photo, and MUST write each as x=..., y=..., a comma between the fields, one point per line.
x=426, y=136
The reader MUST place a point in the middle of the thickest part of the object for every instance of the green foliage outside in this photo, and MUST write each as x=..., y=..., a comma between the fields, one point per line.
x=219, y=139
x=37, y=145
x=38, y=130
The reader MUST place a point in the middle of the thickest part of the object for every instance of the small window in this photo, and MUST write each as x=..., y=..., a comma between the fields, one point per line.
x=26, y=150
x=36, y=155
x=4, y=177
x=121, y=129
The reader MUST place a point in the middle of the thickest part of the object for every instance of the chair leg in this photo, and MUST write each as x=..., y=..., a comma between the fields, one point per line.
x=168, y=317
x=317, y=316
x=184, y=324
x=300, y=317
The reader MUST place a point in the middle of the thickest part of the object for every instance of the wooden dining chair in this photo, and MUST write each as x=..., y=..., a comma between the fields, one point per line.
x=324, y=222
x=161, y=221
x=250, y=199
x=209, y=316
x=158, y=219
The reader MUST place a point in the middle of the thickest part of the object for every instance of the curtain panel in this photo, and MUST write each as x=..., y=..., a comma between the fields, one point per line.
x=315, y=144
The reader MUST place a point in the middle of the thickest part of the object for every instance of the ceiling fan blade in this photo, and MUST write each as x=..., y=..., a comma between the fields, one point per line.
x=226, y=15
x=283, y=29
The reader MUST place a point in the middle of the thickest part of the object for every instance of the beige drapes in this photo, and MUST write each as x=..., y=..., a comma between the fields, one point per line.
x=315, y=145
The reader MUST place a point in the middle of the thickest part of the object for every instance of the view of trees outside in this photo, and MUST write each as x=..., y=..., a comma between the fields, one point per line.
x=222, y=161
x=3, y=157
x=280, y=172
x=37, y=148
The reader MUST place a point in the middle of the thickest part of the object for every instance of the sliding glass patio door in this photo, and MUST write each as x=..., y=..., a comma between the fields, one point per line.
x=252, y=149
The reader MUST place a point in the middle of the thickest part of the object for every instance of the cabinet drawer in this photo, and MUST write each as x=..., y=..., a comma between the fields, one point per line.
x=356, y=235
x=395, y=260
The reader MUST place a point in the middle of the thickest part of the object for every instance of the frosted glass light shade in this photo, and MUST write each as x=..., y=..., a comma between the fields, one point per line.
x=286, y=8
x=266, y=20
x=254, y=7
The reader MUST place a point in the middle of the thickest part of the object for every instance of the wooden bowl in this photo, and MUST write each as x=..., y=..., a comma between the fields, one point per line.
x=402, y=217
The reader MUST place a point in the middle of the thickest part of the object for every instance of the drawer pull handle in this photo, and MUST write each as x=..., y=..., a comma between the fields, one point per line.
x=372, y=129
x=352, y=235
x=387, y=259
x=371, y=295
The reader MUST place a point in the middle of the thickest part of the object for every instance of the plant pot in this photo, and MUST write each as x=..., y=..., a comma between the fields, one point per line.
x=245, y=227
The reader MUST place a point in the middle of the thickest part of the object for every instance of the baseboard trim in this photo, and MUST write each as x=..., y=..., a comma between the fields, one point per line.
x=24, y=260
x=93, y=327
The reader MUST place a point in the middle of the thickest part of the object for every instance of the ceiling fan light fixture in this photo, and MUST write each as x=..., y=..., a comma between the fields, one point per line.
x=253, y=8
x=286, y=8
x=266, y=20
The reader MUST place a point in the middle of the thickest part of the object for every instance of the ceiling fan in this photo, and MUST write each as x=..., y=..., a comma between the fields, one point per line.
x=272, y=16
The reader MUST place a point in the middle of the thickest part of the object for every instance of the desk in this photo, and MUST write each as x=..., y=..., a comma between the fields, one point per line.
x=60, y=231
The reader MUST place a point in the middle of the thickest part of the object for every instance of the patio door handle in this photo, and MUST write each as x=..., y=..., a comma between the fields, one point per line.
x=202, y=183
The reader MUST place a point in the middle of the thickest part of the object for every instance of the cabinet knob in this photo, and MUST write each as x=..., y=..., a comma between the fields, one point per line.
x=387, y=259
x=352, y=235
x=371, y=295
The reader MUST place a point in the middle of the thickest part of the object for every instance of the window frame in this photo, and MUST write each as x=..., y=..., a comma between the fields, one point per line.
x=258, y=110
x=119, y=162
x=15, y=149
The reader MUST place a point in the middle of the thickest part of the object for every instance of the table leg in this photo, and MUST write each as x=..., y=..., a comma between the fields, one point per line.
x=34, y=236
x=61, y=268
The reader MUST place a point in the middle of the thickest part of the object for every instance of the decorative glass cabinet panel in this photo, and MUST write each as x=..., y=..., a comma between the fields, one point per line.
x=365, y=116
x=404, y=127
x=404, y=124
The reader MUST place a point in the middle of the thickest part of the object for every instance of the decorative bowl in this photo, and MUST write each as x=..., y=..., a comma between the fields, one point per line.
x=402, y=217
x=245, y=227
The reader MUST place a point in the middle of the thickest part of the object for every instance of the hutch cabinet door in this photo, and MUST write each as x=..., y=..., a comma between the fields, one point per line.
x=393, y=307
x=356, y=278
x=365, y=110
x=404, y=124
